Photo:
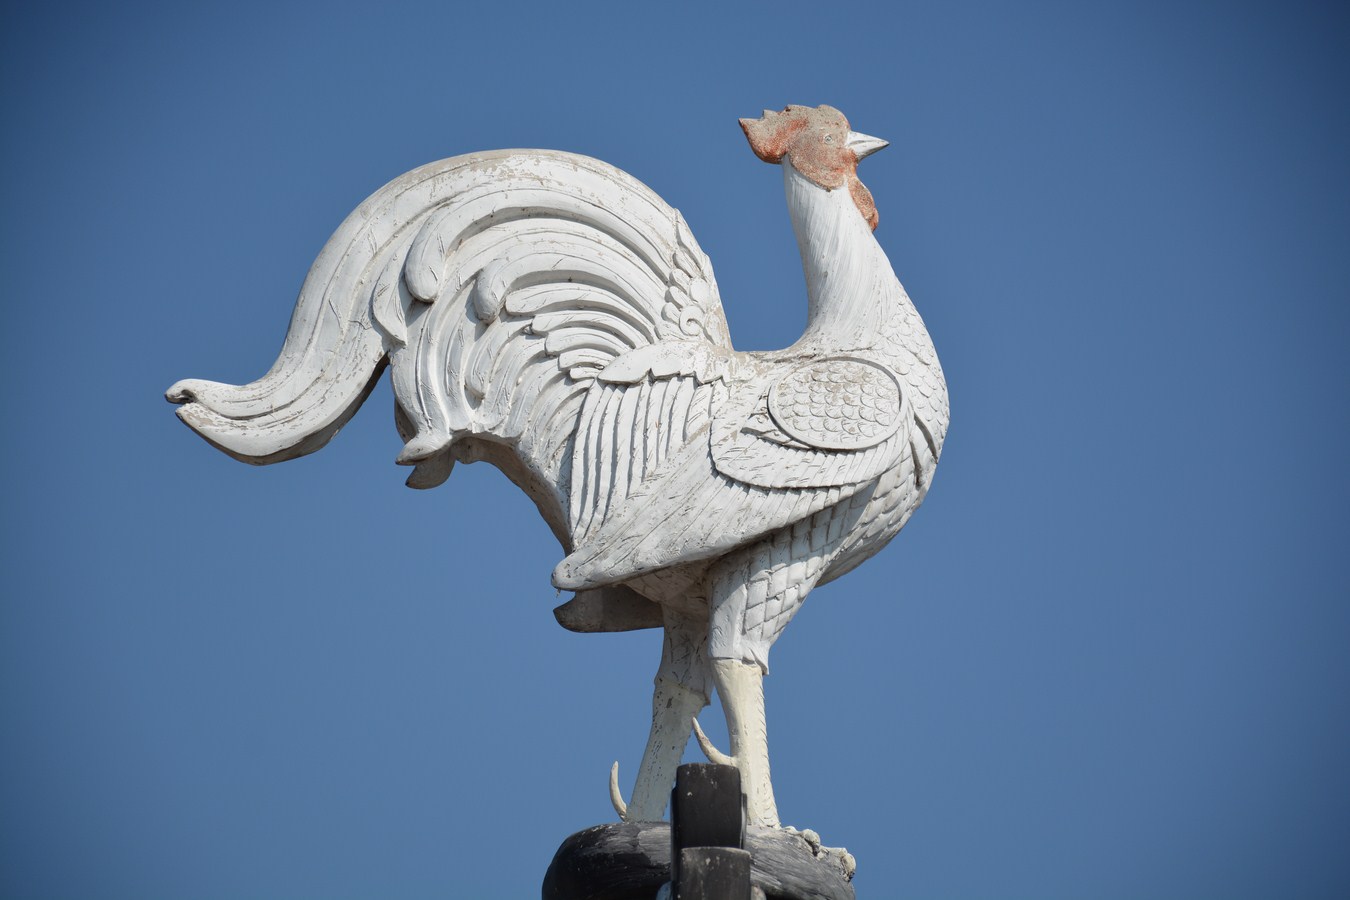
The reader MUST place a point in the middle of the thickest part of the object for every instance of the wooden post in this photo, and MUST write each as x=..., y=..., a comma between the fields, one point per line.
x=713, y=873
x=707, y=834
x=706, y=853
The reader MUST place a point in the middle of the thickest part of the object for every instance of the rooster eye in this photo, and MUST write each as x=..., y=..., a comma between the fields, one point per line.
x=829, y=139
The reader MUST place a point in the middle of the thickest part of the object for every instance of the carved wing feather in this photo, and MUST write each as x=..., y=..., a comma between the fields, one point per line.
x=687, y=512
x=822, y=423
x=631, y=435
x=735, y=473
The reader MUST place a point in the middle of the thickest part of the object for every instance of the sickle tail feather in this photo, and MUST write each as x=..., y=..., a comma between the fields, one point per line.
x=335, y=347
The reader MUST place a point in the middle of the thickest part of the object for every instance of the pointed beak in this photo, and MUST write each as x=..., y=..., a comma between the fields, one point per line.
x=763, y=117
x=864, y=145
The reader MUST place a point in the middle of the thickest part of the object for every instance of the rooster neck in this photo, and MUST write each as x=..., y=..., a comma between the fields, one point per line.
x=850, y=288
x=855, y=302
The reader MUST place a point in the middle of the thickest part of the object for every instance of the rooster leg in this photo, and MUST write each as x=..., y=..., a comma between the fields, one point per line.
x=681, y=691
x=753, y=597
x=741, y=687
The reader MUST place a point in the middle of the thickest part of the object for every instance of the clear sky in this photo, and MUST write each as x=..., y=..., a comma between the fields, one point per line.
x=1107, y=659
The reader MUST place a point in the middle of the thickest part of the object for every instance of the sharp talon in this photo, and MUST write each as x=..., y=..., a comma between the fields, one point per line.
x=714, y=755
x=615, y=796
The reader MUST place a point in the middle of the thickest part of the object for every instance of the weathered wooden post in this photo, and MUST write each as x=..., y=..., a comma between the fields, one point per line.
x=712, y=873
x=708, y=860
x=707, y=852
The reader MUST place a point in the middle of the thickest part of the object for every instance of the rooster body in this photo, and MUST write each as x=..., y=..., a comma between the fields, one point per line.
x=549, y=314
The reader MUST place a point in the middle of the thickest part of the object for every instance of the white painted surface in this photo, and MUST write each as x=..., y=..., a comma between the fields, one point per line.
x=549, y=314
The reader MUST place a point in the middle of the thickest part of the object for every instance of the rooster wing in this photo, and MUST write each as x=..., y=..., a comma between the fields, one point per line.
x=676, y=463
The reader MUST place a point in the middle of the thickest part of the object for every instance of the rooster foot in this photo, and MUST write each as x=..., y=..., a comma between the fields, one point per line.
x=838, y=856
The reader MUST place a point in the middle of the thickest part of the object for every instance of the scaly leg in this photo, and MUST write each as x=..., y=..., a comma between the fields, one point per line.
x=681, y=691
x=754, y=594
x=741, y=687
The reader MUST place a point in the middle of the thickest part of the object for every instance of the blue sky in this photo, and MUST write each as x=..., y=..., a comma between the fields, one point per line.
x=1107, y=658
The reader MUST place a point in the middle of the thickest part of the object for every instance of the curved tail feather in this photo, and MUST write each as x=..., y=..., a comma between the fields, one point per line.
x=334, y=350
x=516, y=295
x=497, y=286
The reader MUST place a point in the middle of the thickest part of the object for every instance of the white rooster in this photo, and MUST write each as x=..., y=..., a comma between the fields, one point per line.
x=549, y=314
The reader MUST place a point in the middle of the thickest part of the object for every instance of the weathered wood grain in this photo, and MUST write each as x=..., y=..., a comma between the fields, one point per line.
x=713, y=873
x=631, y=860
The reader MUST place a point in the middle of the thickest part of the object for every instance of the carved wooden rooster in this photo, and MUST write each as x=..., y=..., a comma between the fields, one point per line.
x=547, y=313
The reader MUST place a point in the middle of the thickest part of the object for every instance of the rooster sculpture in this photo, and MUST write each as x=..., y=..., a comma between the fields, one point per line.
x=551, y=315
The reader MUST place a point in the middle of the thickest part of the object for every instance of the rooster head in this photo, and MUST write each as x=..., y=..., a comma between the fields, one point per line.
x=820, y=145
